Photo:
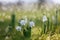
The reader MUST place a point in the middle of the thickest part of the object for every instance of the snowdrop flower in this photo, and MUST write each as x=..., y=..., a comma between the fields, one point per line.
x=18, y=28
x=31, y=24
x=44, y=18
x=22, y=22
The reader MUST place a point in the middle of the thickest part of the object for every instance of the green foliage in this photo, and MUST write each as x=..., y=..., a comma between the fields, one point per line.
x=27, y=32
x=13, y=20
x=36, y=32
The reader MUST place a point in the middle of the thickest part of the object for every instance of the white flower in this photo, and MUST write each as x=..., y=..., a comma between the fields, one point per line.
x=31, y=24
x=18, y=28
x=22, y=22
x=44, y=18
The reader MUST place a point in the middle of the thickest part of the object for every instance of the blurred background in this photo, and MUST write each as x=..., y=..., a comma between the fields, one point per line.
x=27, y=4
x=29, y=19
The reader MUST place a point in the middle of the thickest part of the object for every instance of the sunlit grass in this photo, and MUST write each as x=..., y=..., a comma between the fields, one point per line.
x=36, y=33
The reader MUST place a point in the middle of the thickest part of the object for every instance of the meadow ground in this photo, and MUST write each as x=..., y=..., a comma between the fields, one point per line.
x=36, y=32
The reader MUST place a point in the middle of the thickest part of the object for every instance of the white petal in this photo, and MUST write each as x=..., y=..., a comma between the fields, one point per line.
x=31, y=24
x=18, y=28
x=44, y=18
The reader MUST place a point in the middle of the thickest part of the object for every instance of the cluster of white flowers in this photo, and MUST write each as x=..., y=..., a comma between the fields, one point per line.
x=44, y=18
x=22, y=22
x=18, y=28
x=31, y=24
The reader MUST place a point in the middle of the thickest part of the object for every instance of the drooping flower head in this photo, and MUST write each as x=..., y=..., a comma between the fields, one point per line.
x=44, y=18
x=22, y=22
x=31, y=24
x=18, y=28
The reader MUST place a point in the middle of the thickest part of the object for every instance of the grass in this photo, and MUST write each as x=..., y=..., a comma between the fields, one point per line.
x=36, y=33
